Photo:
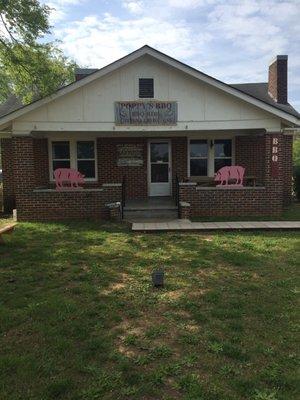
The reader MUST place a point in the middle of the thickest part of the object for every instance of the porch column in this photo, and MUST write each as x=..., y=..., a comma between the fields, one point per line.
x=24, y=175
x=274, y=170
x=8, y=174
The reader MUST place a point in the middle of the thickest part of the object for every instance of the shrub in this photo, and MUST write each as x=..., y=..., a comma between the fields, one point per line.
x=297, y=181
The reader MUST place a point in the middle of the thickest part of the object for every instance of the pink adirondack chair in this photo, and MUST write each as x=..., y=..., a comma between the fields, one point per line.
x=230, y=173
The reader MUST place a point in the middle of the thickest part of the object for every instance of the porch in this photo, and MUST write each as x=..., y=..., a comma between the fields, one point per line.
x=155, y=177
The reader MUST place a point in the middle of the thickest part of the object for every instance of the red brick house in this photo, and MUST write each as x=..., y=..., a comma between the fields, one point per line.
x=148, y=125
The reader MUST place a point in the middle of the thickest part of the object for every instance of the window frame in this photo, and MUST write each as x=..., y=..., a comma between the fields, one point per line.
x=199, y=158
x=60, y=159
x=73, y=156
x=210, y=156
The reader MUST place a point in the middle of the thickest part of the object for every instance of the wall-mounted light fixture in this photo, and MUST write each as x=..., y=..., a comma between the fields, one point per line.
x=212, y=142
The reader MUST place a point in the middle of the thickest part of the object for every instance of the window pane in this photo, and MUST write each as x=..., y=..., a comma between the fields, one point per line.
x=198, y=167
x=60, y=150
x=223, y=148
x=60, y=164
x=198, y=148
x=159, y=173
x=159, y=152
x=85, y=150
x=87, y=168
x=221, y=162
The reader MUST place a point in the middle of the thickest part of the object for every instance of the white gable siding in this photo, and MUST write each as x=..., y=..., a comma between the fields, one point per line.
x=200, y=106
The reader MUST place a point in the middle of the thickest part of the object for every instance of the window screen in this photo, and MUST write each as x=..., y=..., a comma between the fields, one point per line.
x=60, y=155
x=146, y=88
x=86, y=158
x=198, y=157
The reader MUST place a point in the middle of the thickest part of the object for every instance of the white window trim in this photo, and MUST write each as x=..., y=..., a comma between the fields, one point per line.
x=73, y=156
x=210, y=155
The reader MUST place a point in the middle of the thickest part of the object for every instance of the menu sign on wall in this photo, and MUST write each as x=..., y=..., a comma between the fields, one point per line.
x=274, y=156
x=130, y=155
x=146, y=112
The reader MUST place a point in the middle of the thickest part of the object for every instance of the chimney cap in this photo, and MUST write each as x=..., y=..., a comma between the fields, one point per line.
x=279, y=57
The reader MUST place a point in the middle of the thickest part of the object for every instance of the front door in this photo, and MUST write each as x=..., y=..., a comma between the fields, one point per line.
x=159, y=168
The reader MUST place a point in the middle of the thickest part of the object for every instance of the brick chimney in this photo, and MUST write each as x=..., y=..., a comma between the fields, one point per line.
x=277, y=84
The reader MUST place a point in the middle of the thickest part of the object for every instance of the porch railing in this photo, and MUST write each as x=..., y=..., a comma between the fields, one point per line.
x=123, y=196
x=177, y=196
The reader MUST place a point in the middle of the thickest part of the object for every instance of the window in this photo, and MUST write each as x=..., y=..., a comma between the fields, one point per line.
x=80, y=155
x=198, y=157
x=60, y=155
x=146, y=88
x=222, y=153
x=86, y=158
x=206, y=157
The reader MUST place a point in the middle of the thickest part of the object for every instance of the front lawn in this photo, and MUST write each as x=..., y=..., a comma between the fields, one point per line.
x=79, y=319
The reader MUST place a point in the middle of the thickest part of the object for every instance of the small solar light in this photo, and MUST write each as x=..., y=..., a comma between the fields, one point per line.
x=158, y=278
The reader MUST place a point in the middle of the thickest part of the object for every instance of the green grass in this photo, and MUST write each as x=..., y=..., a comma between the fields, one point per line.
x=291, y=213
x=79, y=319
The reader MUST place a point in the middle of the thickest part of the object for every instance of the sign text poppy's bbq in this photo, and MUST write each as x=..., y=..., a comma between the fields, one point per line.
x=146, y=113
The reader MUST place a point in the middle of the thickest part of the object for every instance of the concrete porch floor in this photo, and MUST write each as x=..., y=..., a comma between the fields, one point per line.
x=187, y=225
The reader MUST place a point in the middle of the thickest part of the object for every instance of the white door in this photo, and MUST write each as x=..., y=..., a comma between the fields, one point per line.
x=159, y=168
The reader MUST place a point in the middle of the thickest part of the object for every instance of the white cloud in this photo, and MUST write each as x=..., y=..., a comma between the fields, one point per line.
x=188, y=4
x=229, y=39
x=135, y=7
x=59, y=9
x=96, y=41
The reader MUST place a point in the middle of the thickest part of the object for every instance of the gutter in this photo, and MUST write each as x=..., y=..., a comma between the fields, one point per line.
x=292, y=131
x=5, y=134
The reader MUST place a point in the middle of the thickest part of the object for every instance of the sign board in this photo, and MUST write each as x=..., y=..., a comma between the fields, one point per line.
x=146, y=112
x=274, y=156
x=130, y=155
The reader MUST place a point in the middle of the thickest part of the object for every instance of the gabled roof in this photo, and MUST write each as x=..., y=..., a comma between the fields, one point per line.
x=288, y=113
x=260, y=92
x=11, y=104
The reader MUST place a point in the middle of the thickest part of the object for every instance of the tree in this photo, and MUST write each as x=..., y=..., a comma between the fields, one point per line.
x=29, y=68
x=296, y=151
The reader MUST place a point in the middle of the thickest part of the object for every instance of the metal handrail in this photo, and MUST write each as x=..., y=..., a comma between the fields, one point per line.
x=177, y=195
x=123, y=196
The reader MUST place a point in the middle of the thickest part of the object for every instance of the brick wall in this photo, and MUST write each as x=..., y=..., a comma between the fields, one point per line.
x=277, y=82
x=250, y=154
x=47, y=205
x=26, y=167
x=110, y=172
x=254, y=201
x=179, y=160
x=41, y=161
x=8, y=175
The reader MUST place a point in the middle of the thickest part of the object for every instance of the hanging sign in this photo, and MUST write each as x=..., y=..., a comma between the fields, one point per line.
x=130, y=155
x=146, y=112
x=274, y=156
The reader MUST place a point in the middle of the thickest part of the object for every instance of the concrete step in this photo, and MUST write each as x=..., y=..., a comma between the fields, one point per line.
x=157, y=213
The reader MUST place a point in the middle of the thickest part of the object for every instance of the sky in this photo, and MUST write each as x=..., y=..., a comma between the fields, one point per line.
x=231, y=40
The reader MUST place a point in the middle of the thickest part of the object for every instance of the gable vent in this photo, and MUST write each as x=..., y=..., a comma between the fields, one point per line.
x=146, y=88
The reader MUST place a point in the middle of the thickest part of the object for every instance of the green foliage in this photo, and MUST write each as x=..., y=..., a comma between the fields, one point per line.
x=297, y=181
x=296, y=152
x=29, y=67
